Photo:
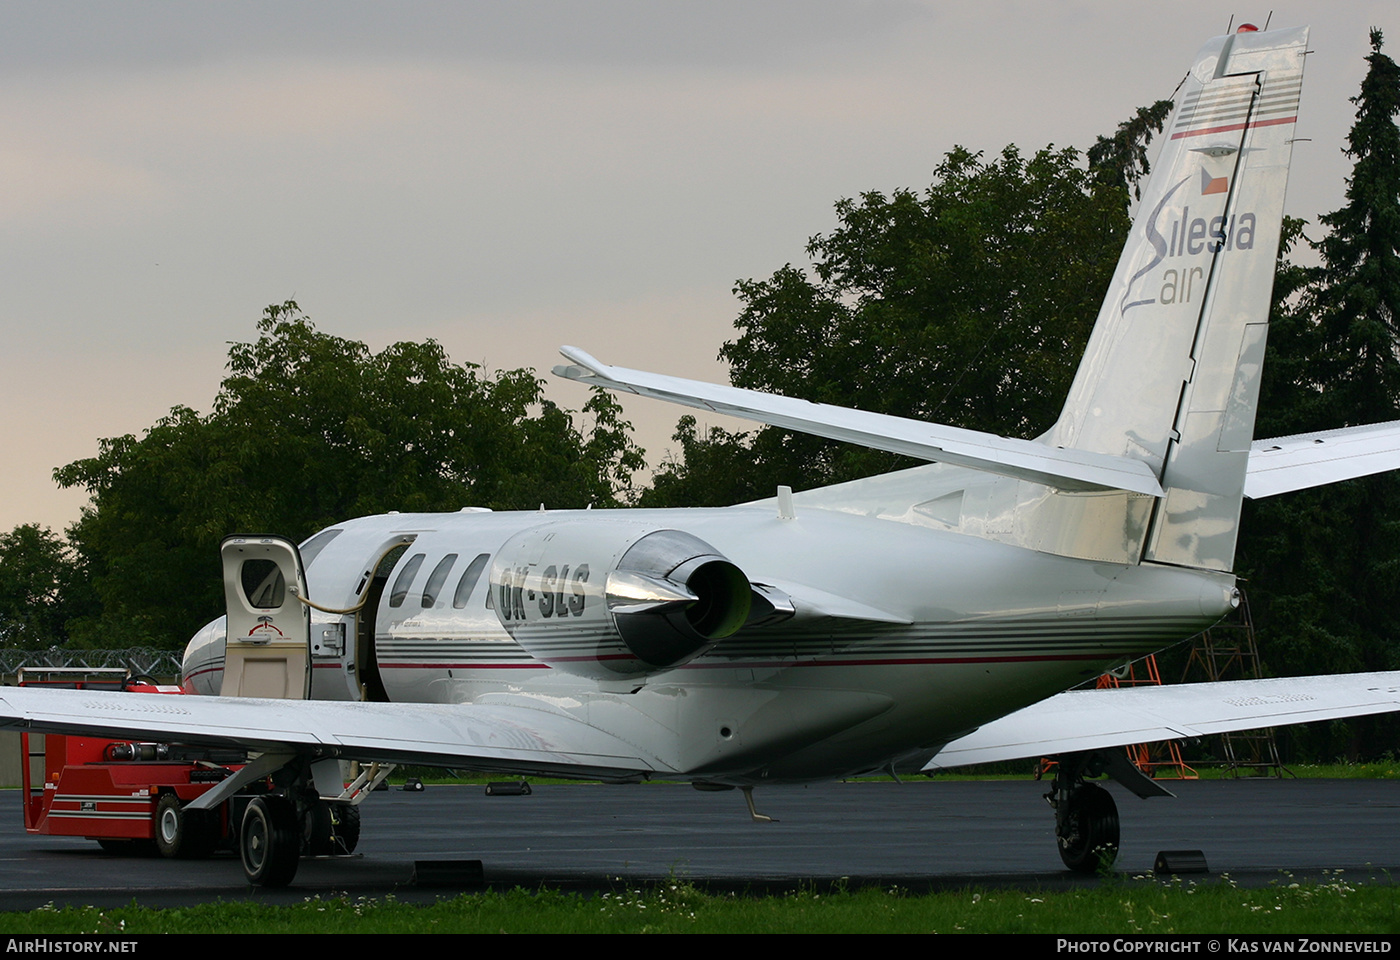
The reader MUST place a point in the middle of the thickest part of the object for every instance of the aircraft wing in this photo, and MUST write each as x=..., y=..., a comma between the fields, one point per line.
x=1313, y=459
x=1083, y=720
x=505, y=737
x=1023, y=459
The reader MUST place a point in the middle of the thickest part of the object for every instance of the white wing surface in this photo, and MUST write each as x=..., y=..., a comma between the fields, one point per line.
x=1024, y=459
x=1313, y=459
x=1083, y=720
x=498, y=737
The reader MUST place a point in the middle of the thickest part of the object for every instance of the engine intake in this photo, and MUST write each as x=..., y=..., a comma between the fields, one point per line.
x=685, y=606
x=664, y=596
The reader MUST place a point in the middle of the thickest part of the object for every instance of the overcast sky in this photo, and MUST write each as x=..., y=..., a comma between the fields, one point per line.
x=507, y=177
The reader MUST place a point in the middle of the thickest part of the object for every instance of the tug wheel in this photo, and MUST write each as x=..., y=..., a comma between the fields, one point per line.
x=183, y=833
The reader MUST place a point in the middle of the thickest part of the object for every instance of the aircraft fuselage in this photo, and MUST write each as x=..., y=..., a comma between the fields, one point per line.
x=950, y=631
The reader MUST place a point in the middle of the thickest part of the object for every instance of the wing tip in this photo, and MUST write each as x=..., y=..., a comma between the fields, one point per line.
x=583, y=367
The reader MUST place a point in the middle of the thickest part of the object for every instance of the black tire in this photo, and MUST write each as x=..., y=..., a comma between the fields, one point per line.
x=317, y=834
x=332, y=829
x=345, y=827
x=1088, y=834
x=269, y=841
x=183, y=833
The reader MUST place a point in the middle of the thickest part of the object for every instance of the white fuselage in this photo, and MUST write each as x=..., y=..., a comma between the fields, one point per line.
x=900, y=637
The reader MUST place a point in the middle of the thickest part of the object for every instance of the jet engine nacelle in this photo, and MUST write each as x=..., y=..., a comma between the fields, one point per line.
x=612, y=598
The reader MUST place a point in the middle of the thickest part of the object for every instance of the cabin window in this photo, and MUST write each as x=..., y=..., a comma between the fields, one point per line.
x=405, y=580
x=312, y=548
x=467, y=584
x=263, y=583
x=437, y=578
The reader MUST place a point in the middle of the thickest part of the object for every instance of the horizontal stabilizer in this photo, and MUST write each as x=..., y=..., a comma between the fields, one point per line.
x=1083, y=720
x=1023, y=459
x=1313, y=459
x=501, y=737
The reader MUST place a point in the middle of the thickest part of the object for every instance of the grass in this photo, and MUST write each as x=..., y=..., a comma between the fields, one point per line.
x=1118, y=906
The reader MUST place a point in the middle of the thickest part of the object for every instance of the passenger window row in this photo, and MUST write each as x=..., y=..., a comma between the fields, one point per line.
x=403, y=583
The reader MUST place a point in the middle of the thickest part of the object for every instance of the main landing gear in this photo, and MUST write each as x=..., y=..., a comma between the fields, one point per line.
x=269, y=841
x=276, y=832
x=1086, y=818
x=295, y=819
x=279, y=812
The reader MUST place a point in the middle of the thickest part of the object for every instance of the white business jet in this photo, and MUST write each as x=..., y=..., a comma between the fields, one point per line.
x=922, y=619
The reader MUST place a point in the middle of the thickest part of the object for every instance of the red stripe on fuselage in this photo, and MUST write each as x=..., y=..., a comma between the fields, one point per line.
x=745, y=664
x=464, y=666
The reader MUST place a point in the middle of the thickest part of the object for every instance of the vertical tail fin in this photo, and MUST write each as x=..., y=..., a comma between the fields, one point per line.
x=1171, y=373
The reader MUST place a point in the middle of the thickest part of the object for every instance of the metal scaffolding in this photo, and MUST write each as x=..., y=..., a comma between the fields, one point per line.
x=1228, y=651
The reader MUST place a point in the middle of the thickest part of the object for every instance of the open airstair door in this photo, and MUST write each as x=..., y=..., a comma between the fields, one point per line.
x=268, y=652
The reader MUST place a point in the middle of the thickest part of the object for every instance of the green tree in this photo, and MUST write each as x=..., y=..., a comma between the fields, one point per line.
x=308, y=429
x=967, y=304
x=1324, y=565
x=1121, y=160
x=1357, y=294
x=41, y=587
x=717, y=469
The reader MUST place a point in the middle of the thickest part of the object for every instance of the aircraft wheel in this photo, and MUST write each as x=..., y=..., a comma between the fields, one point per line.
x=347, y=827
x=1088, y=831
x=332, y=829
x=319, y=842
x=186, y=834
x=270, y=841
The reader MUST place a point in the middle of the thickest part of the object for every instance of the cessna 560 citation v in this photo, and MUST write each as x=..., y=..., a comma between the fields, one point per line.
x=922, y=619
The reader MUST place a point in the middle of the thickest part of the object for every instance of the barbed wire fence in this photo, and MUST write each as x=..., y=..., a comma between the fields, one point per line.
x=139, y=660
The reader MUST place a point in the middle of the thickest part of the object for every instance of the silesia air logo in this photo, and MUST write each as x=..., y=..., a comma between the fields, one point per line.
x=1188, y=236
